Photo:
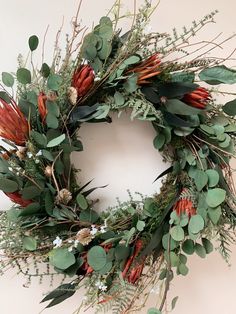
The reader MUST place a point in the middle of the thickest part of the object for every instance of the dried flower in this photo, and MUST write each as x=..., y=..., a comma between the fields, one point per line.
x=21, y=153
x=72, y=95
x=184, y=206
x=83, y=79
x=13, y=124
x=48, y=171
x=15, y=197
x=64, y=196
x=84, y=236
x=42, y=106
x=199, y=98
x=146, y=69
x=132, y=274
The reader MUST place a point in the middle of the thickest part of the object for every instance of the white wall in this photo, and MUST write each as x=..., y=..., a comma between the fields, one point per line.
x=123, y=156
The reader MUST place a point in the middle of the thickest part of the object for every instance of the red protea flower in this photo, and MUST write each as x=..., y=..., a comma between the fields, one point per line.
x=184, y=206
x=83, y=79
x=13, y=124
x=199, y=98
x=133, y=273
x=42, y=106
x=17, y=198
x=146, y=69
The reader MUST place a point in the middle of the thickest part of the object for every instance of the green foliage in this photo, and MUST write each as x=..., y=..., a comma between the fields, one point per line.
x=8, y=186
x=215, y=197
x=29, y=243
x=97, y=258
x=81, y=201
x=56, y=141
x=230, y=108
x=33, y=42
x=218, y=74
x=7, y=79
x=23, y=76
x=61, y=258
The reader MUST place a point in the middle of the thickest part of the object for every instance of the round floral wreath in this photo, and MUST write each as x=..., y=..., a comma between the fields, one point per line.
x=137, y=245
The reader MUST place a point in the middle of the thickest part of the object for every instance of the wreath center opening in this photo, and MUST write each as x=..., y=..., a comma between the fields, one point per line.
x=120, y=155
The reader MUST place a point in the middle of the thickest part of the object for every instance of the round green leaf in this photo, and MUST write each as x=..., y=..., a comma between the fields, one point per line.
x=172, y=257
x=183, y=258
x=215, y=197
x=183, y=269
x=140, y=225
x=106, y=268
x=61, y=258
x=177, y=233
x=159, y=141
x=196, y=224
x=230, y=108
x=200, y=179
x=213, y=177
x=97, y=258
x=188, y=247
x=7, y=79
x=89, y=215
x=45, y=70
x=54, y=82
x=33, y=42
x=81, y=201
x=122, y=252
x=29, y=243
x=214, y=214
x=8, y=186
x=23, y=76
x=207, y=245
x=200, y=250
x=168, y=242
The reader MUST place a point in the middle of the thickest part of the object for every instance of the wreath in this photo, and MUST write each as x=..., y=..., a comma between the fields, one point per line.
x=122, y=254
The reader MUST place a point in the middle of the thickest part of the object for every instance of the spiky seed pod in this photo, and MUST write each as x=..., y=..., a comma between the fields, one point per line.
x=64, y=196
x=48, y=171
x=84, y=236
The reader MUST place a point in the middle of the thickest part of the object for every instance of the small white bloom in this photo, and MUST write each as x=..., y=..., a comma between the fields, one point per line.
x=70, y=249
x=39, y=153
x=76, y=243
x=103, y=229
x=97, y=284
x=29, y=154
x=10, y=168
x=97, y=78
x=103, y=288
x=57, y=242
x=94, y=230
x=37, y=161
x=84, y=61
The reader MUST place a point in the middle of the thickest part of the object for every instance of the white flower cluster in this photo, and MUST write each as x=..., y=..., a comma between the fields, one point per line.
x=101, y=229
x=57, y=242
x=101, y=285
x=36, y=160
